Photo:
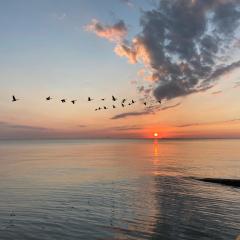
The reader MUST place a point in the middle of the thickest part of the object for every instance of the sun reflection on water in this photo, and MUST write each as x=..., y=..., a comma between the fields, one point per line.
x=156, y=157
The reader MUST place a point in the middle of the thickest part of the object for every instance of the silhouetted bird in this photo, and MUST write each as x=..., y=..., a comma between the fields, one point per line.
x=89, y=99
x=145, y=103
x=103, y=99
x=105, y=107
x=99, y=108
x=123, y=105
x=114, y=106
x=48, y=98
x=133, y=101
x=73, y=101
x=160, y=101
x=123, y=101
x=14, y=99
x=63, y=100
x=113, y=98
x=129, y=104
x=95, y=109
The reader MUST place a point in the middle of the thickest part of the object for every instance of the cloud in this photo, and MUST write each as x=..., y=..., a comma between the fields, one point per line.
x=184, y=44
x=189, y=125
x=81, y=126
x=23, y=127
x=216, y=92
x=237, y=43
x=26, y=127
x=113, y=33
x=170, y=106
x=208, y=123
x=237, y=84
x=135, y=52
x=60, y=16
x=127, y=2
x=126, y=51
x=149, y=110
x=126, y=128
x=220, y=71
x=129, y=114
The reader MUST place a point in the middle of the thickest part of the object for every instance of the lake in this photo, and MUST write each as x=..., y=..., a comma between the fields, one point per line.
x=118, y=189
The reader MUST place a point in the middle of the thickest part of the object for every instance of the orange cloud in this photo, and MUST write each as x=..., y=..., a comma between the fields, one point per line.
x=136, y=52
x=114, y=33
x=125, y=51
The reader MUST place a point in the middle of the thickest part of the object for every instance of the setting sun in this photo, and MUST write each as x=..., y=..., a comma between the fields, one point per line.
x=155, y=134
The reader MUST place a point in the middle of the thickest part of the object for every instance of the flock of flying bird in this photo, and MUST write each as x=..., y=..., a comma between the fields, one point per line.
x=114, y=99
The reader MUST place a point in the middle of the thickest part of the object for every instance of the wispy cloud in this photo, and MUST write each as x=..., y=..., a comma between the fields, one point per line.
x=217, y=92
x=81, y=126
x=129, y=3
x=190, y=125
x=23, y=127
x=126, y=128
x=237, y=84
x=130, y=114
x=149, y=110
x=60, y=16
x=27, y=127
x=235, y=120
x=160, y=108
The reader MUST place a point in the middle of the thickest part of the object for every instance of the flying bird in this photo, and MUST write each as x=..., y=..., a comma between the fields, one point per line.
x=48, y=98
x=99, y=108
x=160, y=101
x=73, y=101
x=14, y=99
x=63, y=100
x=124, y=100
x=145, y=103
x=113, y=98
x=114, y=106
x=103, y=99
x=105, y=107
x=123, y=105
x=89, y=99
x=129, y=104
x=133, y=101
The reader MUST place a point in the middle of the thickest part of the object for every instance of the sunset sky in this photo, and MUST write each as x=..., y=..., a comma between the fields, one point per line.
x=184, y=52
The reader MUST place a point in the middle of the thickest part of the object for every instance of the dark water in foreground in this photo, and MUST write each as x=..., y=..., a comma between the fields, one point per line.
x=118, y=189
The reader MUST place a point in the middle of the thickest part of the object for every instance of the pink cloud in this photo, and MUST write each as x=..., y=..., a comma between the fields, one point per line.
x=113, y=33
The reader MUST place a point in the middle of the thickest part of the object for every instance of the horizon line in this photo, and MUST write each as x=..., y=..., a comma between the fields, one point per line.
x=124, y=138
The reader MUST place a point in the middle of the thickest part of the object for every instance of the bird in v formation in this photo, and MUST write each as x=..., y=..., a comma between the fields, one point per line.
x=89, y=99
x=48, y=98
x=14, y=99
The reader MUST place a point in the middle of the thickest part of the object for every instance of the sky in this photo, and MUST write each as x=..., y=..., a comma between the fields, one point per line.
x=184, y=53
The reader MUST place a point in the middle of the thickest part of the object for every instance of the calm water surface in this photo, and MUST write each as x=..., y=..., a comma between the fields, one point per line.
x=118, y=189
